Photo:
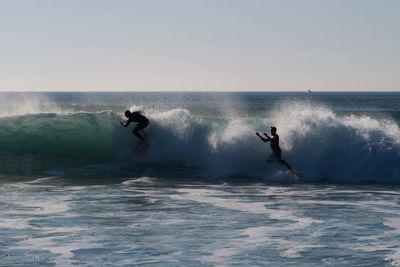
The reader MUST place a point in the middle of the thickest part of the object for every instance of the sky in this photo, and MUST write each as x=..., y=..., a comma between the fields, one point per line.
x=247, y=45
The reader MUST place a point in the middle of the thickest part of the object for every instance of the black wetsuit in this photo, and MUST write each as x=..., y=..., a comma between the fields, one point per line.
x=142, y=121
x=276, y=150
x=274, y=143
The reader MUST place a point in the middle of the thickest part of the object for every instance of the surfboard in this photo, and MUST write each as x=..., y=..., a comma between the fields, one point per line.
x=141, y=148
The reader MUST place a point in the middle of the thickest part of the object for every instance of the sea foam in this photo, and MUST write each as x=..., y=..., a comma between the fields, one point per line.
x=321, y=144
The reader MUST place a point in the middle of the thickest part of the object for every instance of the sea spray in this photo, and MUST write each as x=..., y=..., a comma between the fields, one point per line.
x=323, y=145
x=329, y=147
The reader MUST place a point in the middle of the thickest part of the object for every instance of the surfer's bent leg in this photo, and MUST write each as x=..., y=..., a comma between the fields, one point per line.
x=136, y=131
x=286, y=164
x=277, y=155
x=139, y=127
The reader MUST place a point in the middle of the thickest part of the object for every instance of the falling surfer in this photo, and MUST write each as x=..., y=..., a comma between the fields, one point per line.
x=142, y=122
x=276, y=150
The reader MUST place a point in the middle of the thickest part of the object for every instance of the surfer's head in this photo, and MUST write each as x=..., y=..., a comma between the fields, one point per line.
x=127, y=113
x=273, y=130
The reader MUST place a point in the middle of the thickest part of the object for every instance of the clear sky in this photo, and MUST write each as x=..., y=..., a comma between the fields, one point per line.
x=199, y=45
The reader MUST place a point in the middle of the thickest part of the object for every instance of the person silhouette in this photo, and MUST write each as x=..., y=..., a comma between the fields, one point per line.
x=276, y=150
x=142, y=122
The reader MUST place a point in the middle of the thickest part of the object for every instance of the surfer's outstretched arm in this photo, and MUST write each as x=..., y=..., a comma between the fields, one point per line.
x=269, y=138
x=262, y=138
x=125, y=124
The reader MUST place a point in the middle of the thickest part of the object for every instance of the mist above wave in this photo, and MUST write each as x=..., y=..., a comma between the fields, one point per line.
x=322, y=144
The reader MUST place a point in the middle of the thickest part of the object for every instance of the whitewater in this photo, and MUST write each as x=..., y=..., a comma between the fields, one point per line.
x=73, y=192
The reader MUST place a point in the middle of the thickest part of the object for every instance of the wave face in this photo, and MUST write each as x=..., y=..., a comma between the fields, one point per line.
x=324, y=145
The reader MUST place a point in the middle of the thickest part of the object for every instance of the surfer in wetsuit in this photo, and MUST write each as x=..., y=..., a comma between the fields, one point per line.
x=276, y=150
x=142, y=122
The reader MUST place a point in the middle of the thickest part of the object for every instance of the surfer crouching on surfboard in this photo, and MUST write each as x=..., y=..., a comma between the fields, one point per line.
x=276, y=150
x=142, y=122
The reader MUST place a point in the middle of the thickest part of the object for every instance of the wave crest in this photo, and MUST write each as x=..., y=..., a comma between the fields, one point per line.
x=321, y=144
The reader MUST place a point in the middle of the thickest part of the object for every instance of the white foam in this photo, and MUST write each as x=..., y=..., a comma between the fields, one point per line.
x=14, y=223
x=253, y=237
x=333, y=141
x=366, y=127
x=140, y=180
x=236, y=131
x=228, y=201
x=394, y=258
x=393, y=223
x=177, y=121
x=62, y=250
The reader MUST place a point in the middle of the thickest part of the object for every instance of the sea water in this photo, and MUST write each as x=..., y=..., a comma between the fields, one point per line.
x=74, y=193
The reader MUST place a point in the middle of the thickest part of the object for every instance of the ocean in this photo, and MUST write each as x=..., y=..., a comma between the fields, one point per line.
x=73, y=191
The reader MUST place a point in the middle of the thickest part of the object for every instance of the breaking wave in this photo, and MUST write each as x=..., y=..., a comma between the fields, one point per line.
x=322, y=145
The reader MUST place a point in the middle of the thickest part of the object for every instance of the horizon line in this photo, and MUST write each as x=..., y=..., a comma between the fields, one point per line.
x=206, y=91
